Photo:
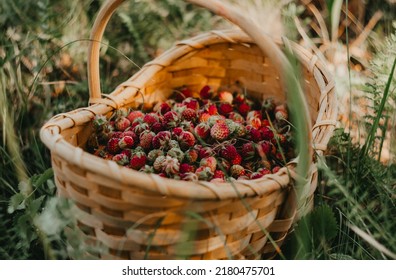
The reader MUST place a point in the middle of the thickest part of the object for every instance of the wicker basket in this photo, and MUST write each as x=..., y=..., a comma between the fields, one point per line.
x=137, y=215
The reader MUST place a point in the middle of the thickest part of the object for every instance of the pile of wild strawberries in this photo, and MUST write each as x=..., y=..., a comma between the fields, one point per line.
x=213, y=138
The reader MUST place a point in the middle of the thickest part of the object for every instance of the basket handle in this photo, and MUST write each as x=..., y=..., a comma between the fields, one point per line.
x=266, y=44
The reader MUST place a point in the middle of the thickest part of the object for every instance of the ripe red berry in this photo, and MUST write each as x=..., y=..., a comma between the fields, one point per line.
x=132, y=116
x=225, y=108
x=237, y=159
x=157, y=127
x=248, y=150
x=161, y=140
x=151, y=118
x=186, y=140
x=205, y=92
x=266, y=133
x=122, y=123
x=185, y=168
x=121, y=159
x=243, y=109
x=146, y=138
x=138, y=160
x=189, y=114
x=126, y=142
x=256, y=175
x=219, y=174
x=112, y=145
x=171, y=119
x=191, y=103
x=229, y=152
x=202, y=130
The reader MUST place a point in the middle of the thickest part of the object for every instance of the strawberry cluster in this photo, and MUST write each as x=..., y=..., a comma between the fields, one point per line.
x=211, y=138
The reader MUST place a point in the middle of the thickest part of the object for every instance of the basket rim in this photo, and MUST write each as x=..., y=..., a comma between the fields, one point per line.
x=126, y=92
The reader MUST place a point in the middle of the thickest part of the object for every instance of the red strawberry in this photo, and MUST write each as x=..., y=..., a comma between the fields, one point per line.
x=182, y=93
x=121, y=159
x=164, y=108
x=189, y=114
x=146, y=138
x=226, y=96
x=151, y=118
x=122, y=123
x=264, y=148
x=161, y=140
x=177, y=131
x=218, y=174
x=191, y=103
x=212, y=109
x=209, y=162
x=253, y=134
x=191, y=155
x=130, y=133
x=220, y=131
x=139, y=128
x=112, y=145
x=134, y=115
x=157, y=127
x=186, y=140
x=171, y=119
x=248, y=150
x=276, y=169
x=126, y=142
x=237, y=170
x=264, y=171
x=205, y=152
x=206, y=92
x=237, y=159
x=185, y=168
x=256, y=175
x=243, y=109
x=202, y=130
x=265, y=122
x=138, y=160
x=266, y=133
x=229, y=152
x=225, y=108
x=204, y=173
x=126, y=152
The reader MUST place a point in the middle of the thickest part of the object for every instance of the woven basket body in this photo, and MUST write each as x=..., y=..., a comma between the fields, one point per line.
x=137, y=215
